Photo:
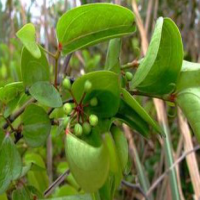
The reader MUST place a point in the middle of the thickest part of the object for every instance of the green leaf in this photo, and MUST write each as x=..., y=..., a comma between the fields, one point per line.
x=27, y=36
x=3, y=197
x=46, y=94
x=37, y=175
x=33, y=69
x=159, y=70
x=139, y=109
x=2, y=135
x=21, y=194
x=113, y=56
x=189, y=76
x=189, y=102
x=114, y=160
x=10, y=91
x=88, y=164
x=37, y=125
x=93, y=23
x=10, y=165
x=121, y=145
x=105, y=87
x=74, y=197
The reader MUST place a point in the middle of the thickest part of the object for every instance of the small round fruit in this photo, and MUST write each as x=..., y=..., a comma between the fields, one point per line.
x=66, y=121
x=129, y=76
x=93, y=119
x=67, y=108
x=87, y=86
x=94, y=101
x=78, y=130
x=67, y=83
x=86, y=128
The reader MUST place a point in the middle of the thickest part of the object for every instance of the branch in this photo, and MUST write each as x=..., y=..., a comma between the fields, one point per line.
x=181, y=158
x=135, y=186
x=56, y=183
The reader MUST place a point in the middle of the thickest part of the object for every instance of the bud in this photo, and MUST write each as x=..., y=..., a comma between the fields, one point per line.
x=94, y=101
x=86, y=128
x=78, y=130
x=87, y=86
x=67, y=108
x=129, y=76
x=93, y=119
x=66, y=121
x=67, y=83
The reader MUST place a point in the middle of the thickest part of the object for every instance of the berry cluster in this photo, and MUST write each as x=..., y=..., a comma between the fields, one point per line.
x=76, y=118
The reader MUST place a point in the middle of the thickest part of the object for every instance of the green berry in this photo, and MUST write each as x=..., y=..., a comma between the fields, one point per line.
x=66, y=121
x=87, y=86
x=67, y=83
x=78, y=130
x=67, y=108
x=86, y=128
x=93, y=119
x=94, y=101
x=129, y=76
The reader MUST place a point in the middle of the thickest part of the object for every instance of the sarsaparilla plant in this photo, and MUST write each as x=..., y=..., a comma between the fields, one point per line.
x=94, y=105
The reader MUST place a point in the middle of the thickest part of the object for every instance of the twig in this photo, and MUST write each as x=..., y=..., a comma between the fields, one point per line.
x=130, y=65
x=56, y=183
x=135, y=186
x=181, y=158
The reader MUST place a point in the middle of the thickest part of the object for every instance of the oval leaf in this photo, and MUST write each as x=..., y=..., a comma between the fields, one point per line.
x=33, y=69
x=46, y=94
x=27, y=36
x=88, y=164
x=10, y=165
x=189, y=76
x=37, y=125
x=105, y=87
x=189, y=102
x=10, y=91
x=159, y=70
x=93, y=23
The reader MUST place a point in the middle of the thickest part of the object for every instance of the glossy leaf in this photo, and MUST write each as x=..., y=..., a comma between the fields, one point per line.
x=46, y=94
x=10, y=91
x=93, y=23
x=33, y=69
x=88, y=164
x=189, y=76
x=121, y=145
x=126, y=96
x=37, y=125
x=189, y=102
x=10, y=165
x=105, y=87
x=27, y=36
x=159, y=70
x=113, y=56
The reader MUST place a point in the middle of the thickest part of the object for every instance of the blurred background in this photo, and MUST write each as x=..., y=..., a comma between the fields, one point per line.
x=44, y=14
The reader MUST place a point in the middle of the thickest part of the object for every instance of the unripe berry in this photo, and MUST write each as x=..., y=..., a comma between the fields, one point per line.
x=94, y=101
x=78, y=130
x=87, y=86
x=93, y=119
x=86, y=128
x=67, y=108
x=129, y=76
x=67, y=83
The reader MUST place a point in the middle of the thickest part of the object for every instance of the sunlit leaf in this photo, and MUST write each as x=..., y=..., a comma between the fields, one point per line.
x=159, y=70
x=93, y=23
x=27, y=36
